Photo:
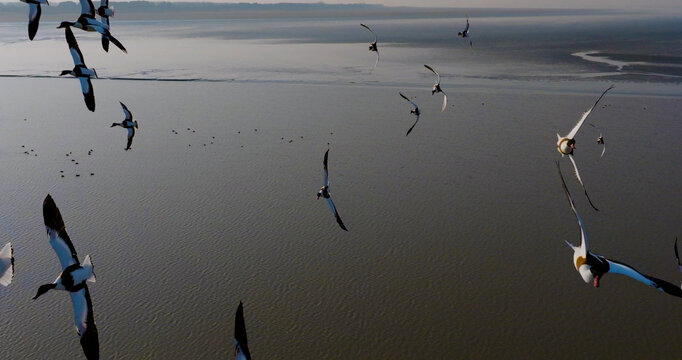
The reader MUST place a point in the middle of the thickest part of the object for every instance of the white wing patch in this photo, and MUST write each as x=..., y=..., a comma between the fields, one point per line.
x=618, y=268
x=80, y=311
x=32, y=11
x=6, y=265
x=76, y=57
x=61, y=248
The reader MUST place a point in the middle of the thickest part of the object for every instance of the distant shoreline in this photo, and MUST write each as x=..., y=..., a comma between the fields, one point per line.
x=147, y=10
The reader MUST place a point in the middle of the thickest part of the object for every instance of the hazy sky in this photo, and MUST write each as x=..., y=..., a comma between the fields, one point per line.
x=654, y=5
x=589, y=4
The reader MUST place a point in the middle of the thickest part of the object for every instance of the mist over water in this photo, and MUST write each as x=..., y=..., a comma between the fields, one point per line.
x=456, y=242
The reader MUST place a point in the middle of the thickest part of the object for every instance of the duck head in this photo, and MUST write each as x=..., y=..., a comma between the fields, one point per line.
x=43, y=289
x=65, y=24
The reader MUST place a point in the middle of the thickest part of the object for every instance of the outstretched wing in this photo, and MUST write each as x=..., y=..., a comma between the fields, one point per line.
x=56, y=230
x=241, y=343
x=325, y=176
x=88, y=92
x=575, y=129
x=627, y=270
x=105, y=40
x=583, y=234
x=131, y=134
x=87, y=8
x=467, y=28
x=445, y=101
x=126, y=112
x=410, y=101
x=118, y=44
x=377, y=61
x=413, y=125
x=435, y=72
x=577, y=175
x=76, y=53
x=33, y=19
x=85, y=322
x=6, y=265
x=336, y=213
x=370, y=30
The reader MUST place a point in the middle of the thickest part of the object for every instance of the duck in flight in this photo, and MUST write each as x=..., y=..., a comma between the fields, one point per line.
x=73, y=278
x=566, y=144
x=241, y=344
x=105, y=12
x=465, y=33
x=128, y=123
x=600, y=139
x=592, y=266
x=34, y=12
x=415, y=111
x=87, y=22
x=437, y=89
x=324, y=192
x=6, y=264
x=80, y=71
x=373, y=45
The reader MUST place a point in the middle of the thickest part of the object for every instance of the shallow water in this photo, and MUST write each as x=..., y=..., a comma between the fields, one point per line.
x=456, y=232
x=456, y=242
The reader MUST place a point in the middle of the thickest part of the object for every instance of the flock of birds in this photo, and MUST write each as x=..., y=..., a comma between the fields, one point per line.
x=86, y=22
x=76, y=275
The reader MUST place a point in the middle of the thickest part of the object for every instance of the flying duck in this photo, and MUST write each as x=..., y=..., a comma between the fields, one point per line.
x=34, y=16
x=6, y=265
x=324, y=192
x=80, y=70
x=592, y=266
x=373, y=45
x=241, y=345
x=87, y=22
x=437, y=89
x=128, y=124
x=414, y=111
x=105, y=12
x=566, y=144
x=73, y=278
x=600, y=139
x=465, y=33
